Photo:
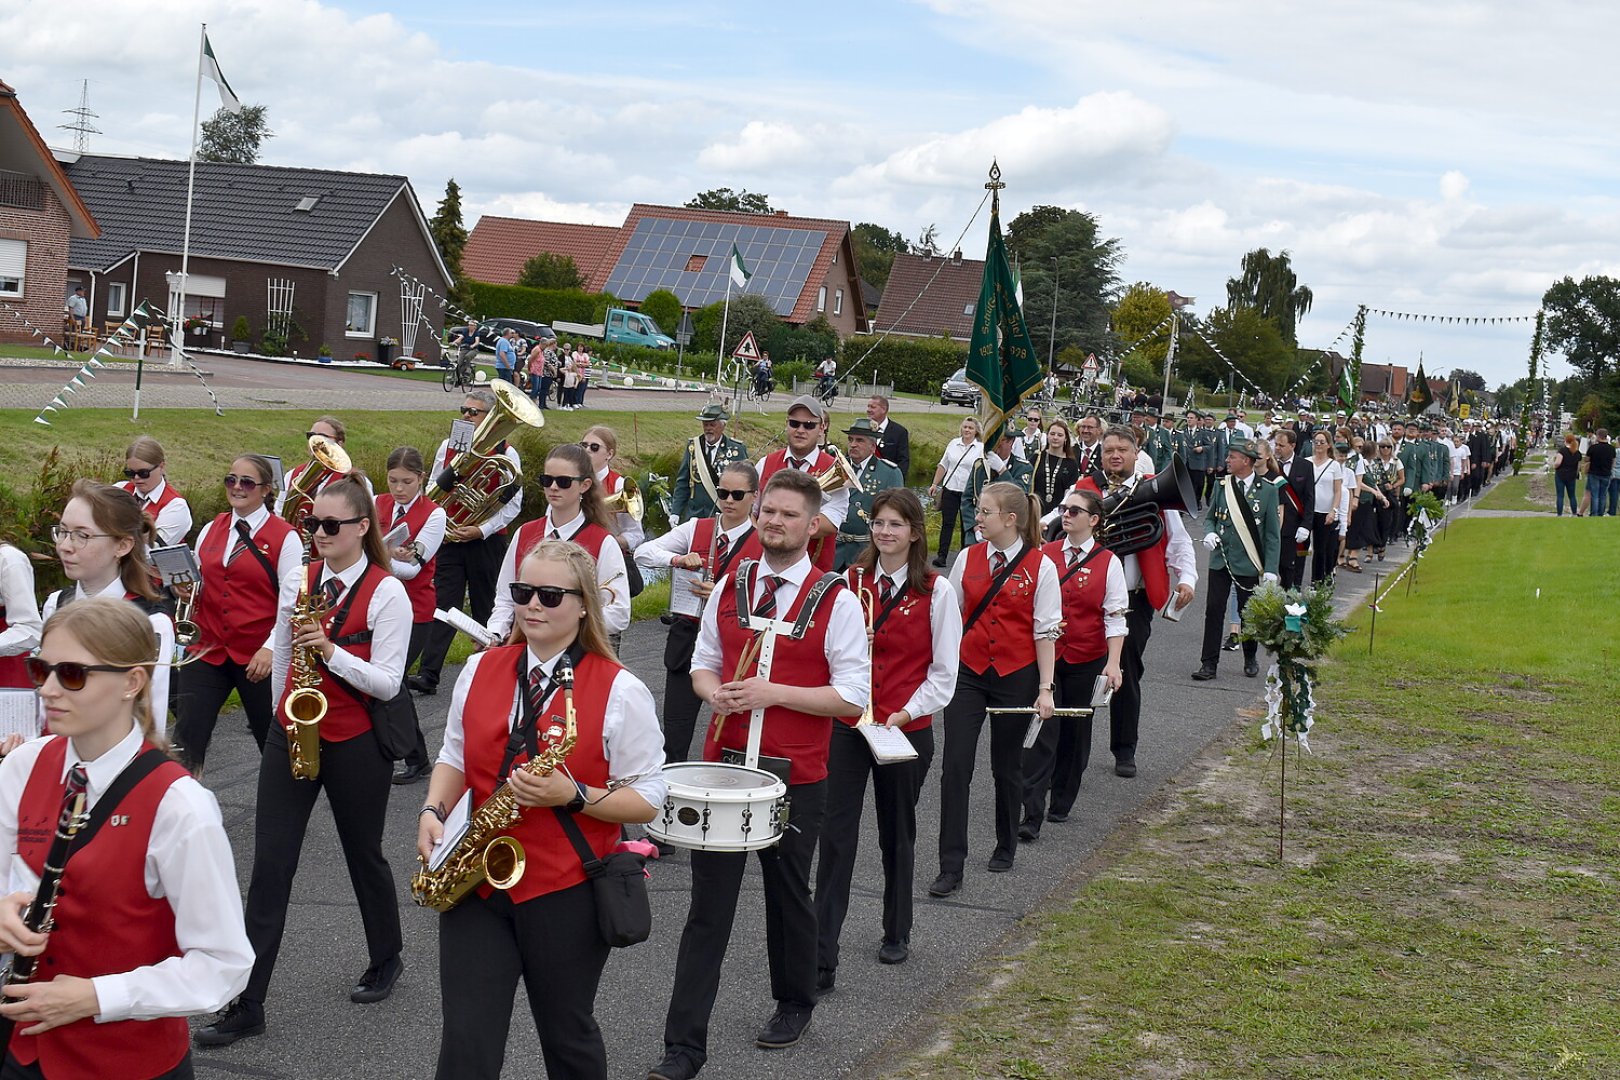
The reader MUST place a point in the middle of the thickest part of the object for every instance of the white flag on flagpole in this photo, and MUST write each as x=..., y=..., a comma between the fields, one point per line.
x=739, y=272
x=210, y=67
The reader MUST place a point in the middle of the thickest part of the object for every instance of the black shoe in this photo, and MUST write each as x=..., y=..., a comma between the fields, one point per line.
x=782, y=1030
x=1251, y=667
x=422, y=684
x=673, y=1067
x=1231, y=643
x=243, y=1019
x=378, y=982
x=1204, y=674
x=410, y=774
x=1029, y=831
x=894, y=952
x=1057, y=817
x=1125, y=768
x=825, y=979
x=939, y=561
x=1000, y=862
x=944, y=885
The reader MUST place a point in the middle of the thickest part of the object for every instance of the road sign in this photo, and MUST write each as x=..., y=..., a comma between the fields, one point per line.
x=683, y=336
x=747, y=348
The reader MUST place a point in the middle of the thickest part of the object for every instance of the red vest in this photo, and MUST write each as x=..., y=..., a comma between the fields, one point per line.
x=823, y=549
x=902, y=650
x=1150, y=561
x=12, y=675
x=612, y=482
x=238, y=608
x=106, y=923
x=419, y=588
x=1003, y=638
x=788, y=733
x=552, y=862
x=590, y=537
x=1083, y=638
x=346, y=716
x=152, y=510
x=703, y=541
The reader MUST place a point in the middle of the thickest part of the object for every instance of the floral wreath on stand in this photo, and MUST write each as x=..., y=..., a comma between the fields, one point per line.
x=1424, y=512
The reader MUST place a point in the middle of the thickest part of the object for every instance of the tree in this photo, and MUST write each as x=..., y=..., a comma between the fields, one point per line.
x=748, y=312
x=742, y=202
x=1468, y=380
x=875, y=249
x=1068, y=267
x=234, y=136
x=664, y=308
x=1142, y=308
x=451, y=236
x=1270, y=286
x=1583, y=322
x=927, y=241
x=549, y=270
x=1251, y=341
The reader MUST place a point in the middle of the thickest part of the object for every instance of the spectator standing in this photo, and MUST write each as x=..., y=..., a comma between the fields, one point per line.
x=950, y=478
x=1600, y=483
x=78, y=309
x=506, y=356
x=584, y=382
x=1566, y=473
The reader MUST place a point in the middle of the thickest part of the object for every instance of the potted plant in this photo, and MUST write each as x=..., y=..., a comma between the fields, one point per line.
x=325, y=354
x=241, y=331
x=197, y=325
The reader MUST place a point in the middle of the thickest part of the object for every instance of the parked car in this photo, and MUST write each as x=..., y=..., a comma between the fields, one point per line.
x=490, y=329
x=958, y=391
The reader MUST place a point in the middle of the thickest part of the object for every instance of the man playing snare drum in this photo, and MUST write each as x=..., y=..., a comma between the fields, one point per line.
x=818, y=668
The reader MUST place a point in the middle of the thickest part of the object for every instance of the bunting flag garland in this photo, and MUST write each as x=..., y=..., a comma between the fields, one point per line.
x=1463, y=320
x=1236, y=374
x=444, y=303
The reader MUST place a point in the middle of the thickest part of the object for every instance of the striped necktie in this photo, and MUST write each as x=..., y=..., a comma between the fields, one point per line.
x=243, y=541
x=721, y=546
x=885, y=589
x=766, y=608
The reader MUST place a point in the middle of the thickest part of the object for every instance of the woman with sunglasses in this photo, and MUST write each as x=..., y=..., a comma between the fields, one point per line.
x=19, y=616
x=102, y=541
x=917, y=633
x=146, y=478
x=414, y=528
x=602, y=444
x=329, y=427
x=1095, y=604
x=574, y=511
x=361, y=643
x=244, y=554
x=506, y=709
x=147, y=920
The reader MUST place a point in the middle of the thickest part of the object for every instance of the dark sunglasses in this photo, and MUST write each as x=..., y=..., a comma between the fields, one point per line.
x=246, y=483
x=465, y=411
x=550, y=595
x=1076, y=511
x=563, y=482
x=329, y=525
x=804, y=425
x=322, y=434
x=593, y=447
x=727, y=493
x=69, y=673
x=138, y=474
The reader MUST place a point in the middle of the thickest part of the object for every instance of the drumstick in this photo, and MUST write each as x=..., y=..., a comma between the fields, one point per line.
x=749, y=654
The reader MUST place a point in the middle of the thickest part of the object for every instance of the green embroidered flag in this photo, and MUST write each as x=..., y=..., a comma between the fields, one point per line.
x=1001, y=358
x=1421, y=396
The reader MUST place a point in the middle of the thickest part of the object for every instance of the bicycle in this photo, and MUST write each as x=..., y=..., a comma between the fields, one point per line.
x=460, y=375
x=827, y=390
x=759, y=391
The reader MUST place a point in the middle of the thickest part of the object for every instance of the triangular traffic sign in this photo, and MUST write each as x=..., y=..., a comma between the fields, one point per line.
x=747, y=348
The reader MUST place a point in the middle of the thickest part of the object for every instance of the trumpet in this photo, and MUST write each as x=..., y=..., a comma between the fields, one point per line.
x=185, y=631
x=627, y=500
x=868, y=599
x=328, y=461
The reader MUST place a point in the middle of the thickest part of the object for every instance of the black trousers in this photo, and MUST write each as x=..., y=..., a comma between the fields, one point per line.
x=1221, y=583
x=1324, y=548
x=790, y=925
x=1211, y=478
x=357, y=779
x=203, y=690
x=895, y=790
x=15, y=1071
x=964, y=720
x=1055, y=764
x=950, y=505
x=418, y=755
x=1200, y=480
x=466, y=569
x=1125, y=708
x=1290, y=560
x=552, y=943
x=681, y=703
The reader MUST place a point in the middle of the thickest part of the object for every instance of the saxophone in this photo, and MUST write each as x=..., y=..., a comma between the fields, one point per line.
x=485, y=853
x=305, y=704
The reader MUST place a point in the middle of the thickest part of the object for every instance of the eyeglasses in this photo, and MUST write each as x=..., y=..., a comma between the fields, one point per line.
x=468, y=411
x=804, y=425
x=727, y=493
x=246, y=483
x=329, y=525
x=139, y=474
x=71, y=674
x=550, y=595
x=1076, y=511
x=561, y=482
x=593, y=447
x=322, y=434
x=74, y=537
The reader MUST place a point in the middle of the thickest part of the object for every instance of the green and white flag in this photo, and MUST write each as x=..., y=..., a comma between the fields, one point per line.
x=210, y=68
x=1347, y=393
x=739, y=272
x=1001, y=359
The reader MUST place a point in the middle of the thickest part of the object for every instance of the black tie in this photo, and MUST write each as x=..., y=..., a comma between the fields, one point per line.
x=766, y=608
x=1074, y=557
x=243, y=539
x=537, y=689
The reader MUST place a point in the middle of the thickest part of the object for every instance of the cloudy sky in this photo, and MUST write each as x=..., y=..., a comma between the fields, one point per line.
x=1453, y=157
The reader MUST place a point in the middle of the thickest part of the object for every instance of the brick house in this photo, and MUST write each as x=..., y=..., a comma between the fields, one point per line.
x=304, y=253
x=40, y=214
x=498, y=247
x=931, y=296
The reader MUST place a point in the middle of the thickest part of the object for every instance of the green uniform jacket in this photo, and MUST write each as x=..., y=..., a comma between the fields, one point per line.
x=1230, y=552
x=878, y=476
x=690, y=499
x=1201, y=444
x=1411, y=457
x=1017, y=472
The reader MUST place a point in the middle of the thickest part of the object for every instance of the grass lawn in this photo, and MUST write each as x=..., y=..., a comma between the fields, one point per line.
x=1528, y=490
x=1447, y=903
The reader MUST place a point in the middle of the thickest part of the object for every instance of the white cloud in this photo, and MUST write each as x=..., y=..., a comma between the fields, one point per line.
x=761, y=144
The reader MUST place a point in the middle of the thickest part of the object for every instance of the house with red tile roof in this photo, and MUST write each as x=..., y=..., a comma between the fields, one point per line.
x=498, y=247
x=930, y=296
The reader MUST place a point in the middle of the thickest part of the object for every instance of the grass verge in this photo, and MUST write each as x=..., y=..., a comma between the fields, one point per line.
x=1446, y=905
x=1529, y=491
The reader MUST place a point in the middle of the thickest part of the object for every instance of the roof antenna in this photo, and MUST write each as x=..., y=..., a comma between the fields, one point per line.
x=81, y=127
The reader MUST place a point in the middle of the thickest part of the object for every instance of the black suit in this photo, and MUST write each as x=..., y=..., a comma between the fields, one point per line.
x=1301, y=476
x=895, y=447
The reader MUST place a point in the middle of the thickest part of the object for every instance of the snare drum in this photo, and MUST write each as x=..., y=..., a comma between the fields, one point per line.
x=715, y=807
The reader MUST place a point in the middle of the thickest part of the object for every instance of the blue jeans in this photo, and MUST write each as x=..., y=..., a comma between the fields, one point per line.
x=1561, y=485
x=1599, y=488
x=542, y=390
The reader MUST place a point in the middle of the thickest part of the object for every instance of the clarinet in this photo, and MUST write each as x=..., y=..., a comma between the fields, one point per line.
x=40, y=916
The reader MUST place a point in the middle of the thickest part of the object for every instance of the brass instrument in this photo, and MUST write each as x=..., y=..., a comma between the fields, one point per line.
x=1133, y=512
x=305, y=704
x=480, y=479
x=486, y=853
x=868, y=600
x=840, y=474
x=627, y=500
x=1029, y=710
x=328, y=460
x=185, y=631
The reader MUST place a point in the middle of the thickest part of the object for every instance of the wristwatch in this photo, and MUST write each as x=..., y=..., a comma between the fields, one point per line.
x=577, y=803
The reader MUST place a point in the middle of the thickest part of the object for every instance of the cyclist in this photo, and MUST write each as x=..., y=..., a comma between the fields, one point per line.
x=827, y=379
x=764, y=382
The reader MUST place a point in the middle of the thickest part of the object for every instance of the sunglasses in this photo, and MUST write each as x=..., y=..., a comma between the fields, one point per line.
x=563, y=483
x=322, y=434
x=1076, y=511
x=246, y=483
x=550, y=595
x=329, y=525
x=727, y=493
x=465, y=411
x=804, y=425
x=593, y=447
x=69, y=673
x=139, y=474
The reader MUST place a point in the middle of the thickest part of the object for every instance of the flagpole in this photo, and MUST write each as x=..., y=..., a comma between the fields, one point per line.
x=720, y=360
x=177, y=317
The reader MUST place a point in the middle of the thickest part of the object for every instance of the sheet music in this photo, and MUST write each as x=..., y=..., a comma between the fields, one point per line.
x=397, y=536
x=176, y=565
x=455, y=827
x=276, y=471
x=461, y=435
x=888, y=744
x=464, y=622
x=1100, y=693
x=682, y=600
x=19, y=713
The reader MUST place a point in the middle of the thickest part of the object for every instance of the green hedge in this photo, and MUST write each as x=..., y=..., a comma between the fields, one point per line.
x=538, y=305
x=912, y=365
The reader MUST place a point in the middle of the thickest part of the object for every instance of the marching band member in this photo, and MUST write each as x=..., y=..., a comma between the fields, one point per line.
x=1011, y=607
x=729, y=540
x=803, y=453
x=413, y=560
x=544, y=928
x=147, y=917
x=602, y=444
x=470, y=559
x=102, y=540
x=574, y=511
x=243, y=555
x=704, y=458
x=145, y=477
x=329, y=427
x=916, y=636
x=1092, y=581
x=361, y=642
x=872, y=475
x=812, y=679
x=19, y=616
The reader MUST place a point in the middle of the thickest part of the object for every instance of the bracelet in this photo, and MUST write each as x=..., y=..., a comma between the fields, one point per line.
x=434, y=810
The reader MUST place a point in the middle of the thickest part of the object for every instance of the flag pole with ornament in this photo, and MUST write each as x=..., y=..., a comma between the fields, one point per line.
x=1001, y=357
x=738, y=276
x=207, y=66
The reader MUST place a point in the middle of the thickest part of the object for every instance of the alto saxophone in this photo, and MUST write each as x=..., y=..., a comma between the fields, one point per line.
x=485, y=853
x=305, y=704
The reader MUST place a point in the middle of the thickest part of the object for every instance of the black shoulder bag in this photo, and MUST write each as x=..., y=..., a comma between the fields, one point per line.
x=619, y=886
x=393, y=721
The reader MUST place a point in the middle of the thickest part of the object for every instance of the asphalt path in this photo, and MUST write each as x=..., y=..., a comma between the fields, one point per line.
x=314, y=1031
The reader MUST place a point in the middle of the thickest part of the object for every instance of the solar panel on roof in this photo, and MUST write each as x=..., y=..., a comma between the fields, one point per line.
x=660, y=250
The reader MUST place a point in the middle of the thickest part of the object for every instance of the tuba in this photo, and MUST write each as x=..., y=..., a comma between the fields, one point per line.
x=328, y=461
x=627, y=500
x=481, y=479
x=1133, y=512
x=305, y=705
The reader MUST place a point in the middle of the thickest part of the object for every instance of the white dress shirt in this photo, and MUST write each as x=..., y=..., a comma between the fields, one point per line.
x=957, y=461
x=388, y=616
x=660, y=552
x=834, y=504
x=1048, y=593
x=508, y=513
x=1116, y=597
x=162, y=624
x=288, y=559
x=632, y=741
x=848, y=657
x=610, y=575
x=188, y=862
x=173, y=521
x=629, y=525
x=281, y=496
x=945, y=623
x=23, y=623
x=430, y=537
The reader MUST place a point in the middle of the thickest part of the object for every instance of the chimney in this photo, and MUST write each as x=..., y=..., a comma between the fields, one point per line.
x=956, y=257
x=781, y=213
